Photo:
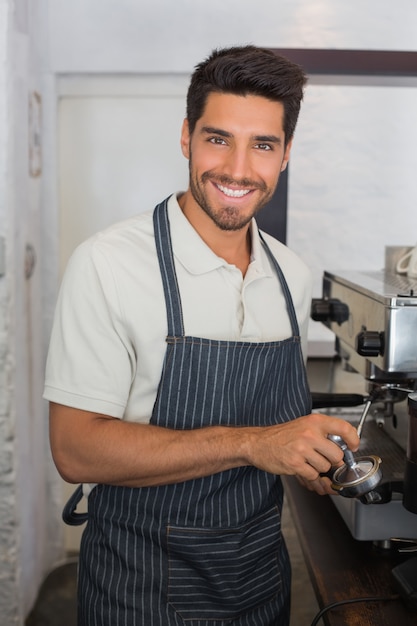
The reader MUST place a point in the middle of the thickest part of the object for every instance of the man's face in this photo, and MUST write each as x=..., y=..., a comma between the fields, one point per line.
x=236, y=154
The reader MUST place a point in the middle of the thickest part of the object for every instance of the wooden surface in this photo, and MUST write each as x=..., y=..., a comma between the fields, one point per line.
x=341, y=567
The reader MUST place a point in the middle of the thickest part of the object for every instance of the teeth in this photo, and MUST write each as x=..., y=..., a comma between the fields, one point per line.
x=233, y=193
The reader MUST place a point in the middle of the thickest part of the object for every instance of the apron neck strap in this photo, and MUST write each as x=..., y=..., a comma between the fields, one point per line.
x=169, y=277
x=287, y=294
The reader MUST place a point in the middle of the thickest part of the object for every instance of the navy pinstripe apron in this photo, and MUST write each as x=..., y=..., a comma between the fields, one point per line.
x=208, y=551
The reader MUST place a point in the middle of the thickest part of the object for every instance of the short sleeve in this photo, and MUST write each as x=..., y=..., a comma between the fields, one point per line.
x=91, y=360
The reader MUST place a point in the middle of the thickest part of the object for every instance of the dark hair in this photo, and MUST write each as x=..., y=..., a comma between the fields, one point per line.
x=247, y=70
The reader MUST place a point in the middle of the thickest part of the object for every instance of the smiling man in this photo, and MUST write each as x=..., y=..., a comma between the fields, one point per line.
x=176, y=378
x=236, y=153
x=242, y=161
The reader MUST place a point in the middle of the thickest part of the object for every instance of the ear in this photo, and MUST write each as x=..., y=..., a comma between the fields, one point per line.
x=185, y=139
x=286, y=155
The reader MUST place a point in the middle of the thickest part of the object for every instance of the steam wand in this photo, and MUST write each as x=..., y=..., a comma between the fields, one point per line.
x=364, y=416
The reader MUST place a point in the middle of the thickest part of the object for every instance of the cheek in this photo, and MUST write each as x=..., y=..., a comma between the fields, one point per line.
x=272, y=173
x=205, y=160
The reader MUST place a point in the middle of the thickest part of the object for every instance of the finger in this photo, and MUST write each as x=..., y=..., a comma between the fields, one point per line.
x=346, y=431
x=313, y=468
x=337, y=426
x=326, y=486
x=320, y=462
x=321, y=485
x=331, y=451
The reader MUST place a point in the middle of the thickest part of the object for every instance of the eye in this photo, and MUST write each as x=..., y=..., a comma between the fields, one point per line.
x=263, y=146
x=217, y=141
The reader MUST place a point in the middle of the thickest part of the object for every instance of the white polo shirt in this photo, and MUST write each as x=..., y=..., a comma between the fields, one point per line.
x=108, y=339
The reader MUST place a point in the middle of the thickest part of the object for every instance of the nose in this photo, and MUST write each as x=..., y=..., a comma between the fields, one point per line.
x=238, y=164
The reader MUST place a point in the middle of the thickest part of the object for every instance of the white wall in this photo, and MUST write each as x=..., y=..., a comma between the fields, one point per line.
x=27, y=550
x=7, y=499
x=137, y=36
x=159, y=36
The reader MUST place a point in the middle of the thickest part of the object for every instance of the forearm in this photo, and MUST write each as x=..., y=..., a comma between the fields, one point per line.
x=105, y=450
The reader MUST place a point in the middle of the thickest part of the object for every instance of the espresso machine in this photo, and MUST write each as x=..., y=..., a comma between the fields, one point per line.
x=373, y=315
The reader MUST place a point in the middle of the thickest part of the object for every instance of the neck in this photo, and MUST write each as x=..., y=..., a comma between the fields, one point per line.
x=234, y=246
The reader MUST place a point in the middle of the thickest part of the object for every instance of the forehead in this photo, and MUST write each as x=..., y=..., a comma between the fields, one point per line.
x=252, y=113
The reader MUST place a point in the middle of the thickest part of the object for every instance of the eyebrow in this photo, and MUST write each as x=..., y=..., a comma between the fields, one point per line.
x=211, y=130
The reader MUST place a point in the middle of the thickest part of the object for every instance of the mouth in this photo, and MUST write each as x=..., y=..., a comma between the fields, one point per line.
x=233, y=193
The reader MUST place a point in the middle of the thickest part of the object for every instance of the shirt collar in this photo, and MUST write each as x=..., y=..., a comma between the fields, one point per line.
x=196, y=256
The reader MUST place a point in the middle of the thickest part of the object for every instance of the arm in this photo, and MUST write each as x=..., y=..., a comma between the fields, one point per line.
x=88, y=447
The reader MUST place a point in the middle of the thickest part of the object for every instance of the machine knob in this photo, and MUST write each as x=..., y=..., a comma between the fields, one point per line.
x=370, y=343
x=329, y=310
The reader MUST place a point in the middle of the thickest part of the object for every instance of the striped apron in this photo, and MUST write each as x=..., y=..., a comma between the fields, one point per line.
x=209, y=551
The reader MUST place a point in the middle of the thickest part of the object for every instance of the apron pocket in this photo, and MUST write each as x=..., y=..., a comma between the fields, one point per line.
x=219, y=574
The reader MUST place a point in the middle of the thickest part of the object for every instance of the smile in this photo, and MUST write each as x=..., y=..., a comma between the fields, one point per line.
x=233, y=193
